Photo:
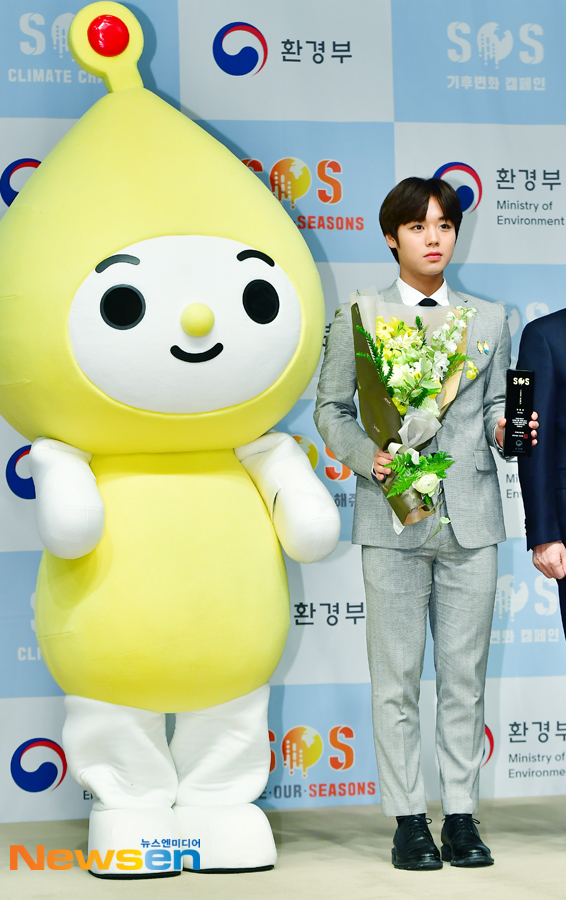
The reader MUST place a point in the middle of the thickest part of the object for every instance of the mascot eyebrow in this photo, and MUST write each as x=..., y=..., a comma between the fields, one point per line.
x=118, y=258
x=252, y=254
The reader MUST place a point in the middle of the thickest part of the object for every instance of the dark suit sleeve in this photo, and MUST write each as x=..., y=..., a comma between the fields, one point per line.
x=537, y=473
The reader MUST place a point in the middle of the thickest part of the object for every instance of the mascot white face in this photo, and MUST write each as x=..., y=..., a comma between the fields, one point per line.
x=185, y=324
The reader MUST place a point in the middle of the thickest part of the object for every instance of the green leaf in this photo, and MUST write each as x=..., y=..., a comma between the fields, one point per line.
x=383, y=367
x=418, y=399
x=408, y=472
x=455, y=361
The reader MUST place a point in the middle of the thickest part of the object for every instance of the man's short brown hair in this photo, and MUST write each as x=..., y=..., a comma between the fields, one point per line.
x=408, y=202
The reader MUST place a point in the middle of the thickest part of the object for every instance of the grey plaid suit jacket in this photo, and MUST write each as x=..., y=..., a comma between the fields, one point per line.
x=471, y=487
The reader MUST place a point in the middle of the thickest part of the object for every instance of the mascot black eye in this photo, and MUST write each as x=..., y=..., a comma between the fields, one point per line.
x=261, y=301
x=122, y=307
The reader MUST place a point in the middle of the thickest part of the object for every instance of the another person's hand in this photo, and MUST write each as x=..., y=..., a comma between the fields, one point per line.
x=550, y=559
x=380, y=461
x=533, y=425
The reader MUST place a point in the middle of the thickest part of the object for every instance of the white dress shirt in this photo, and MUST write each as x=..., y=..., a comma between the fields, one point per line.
x=411, y=297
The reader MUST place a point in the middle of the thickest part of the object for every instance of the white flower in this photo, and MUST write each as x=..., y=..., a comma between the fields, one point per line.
x=451, y=346
x=430, y=404
x=404, y=340
x=426, y=483
x=397, y=376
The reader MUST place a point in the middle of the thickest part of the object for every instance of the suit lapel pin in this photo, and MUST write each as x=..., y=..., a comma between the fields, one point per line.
x=483, y=347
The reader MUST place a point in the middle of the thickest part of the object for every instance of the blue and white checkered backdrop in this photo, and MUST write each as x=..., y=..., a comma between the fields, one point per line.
x=350, y=101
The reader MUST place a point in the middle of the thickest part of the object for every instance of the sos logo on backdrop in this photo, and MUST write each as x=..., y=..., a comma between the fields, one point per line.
x=290, y=179
x=494, y=45
x=302, y=748
x=249, y=60
x=466, y=182
x=47, y=776
x=32, y=24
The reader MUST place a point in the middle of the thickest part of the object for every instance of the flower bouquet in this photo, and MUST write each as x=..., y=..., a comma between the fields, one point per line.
x=408, y=371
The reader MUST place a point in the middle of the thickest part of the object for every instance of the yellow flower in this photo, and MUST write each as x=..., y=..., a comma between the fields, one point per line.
x=383, y=330
x=397, y=325
x=402, y=409
x=472, y=370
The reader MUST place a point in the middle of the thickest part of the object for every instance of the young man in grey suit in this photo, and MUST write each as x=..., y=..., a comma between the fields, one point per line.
x=449, y=573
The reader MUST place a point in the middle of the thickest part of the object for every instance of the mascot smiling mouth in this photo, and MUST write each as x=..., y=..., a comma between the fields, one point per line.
x=197, y=357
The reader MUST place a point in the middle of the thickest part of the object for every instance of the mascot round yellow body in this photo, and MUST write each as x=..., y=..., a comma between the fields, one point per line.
x=172, y=610
x=159, y=314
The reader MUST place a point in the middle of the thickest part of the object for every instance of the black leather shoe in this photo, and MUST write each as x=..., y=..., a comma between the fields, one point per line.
x=413, y=846
x=462, y=844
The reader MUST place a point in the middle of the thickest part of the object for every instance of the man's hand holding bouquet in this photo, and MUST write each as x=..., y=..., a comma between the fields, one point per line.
x=409, y=361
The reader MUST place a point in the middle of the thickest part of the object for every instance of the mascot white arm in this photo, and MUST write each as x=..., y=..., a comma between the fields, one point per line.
x=302, y=511
x=69, y=508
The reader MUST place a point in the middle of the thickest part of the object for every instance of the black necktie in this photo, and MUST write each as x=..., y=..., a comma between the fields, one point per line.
x=427, y=301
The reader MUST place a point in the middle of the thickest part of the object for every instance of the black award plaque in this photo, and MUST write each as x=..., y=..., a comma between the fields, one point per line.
x=519, y=400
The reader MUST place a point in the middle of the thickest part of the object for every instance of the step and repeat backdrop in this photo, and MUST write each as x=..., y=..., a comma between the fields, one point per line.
x=329, y=104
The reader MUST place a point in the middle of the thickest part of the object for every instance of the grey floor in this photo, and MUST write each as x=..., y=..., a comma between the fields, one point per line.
x=340, y=853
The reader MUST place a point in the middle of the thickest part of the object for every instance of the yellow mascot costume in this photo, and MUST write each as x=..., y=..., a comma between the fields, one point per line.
x=159, y=314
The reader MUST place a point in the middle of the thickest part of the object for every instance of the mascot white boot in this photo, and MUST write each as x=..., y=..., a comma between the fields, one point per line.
x=159, y=314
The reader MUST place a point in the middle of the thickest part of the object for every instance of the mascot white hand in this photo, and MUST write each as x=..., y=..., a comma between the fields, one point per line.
x=161, y=311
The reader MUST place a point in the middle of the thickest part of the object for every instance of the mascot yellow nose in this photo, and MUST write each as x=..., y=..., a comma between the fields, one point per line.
x=197, y=319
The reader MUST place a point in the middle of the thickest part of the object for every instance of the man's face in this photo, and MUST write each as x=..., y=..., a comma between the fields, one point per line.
x=425, y=248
